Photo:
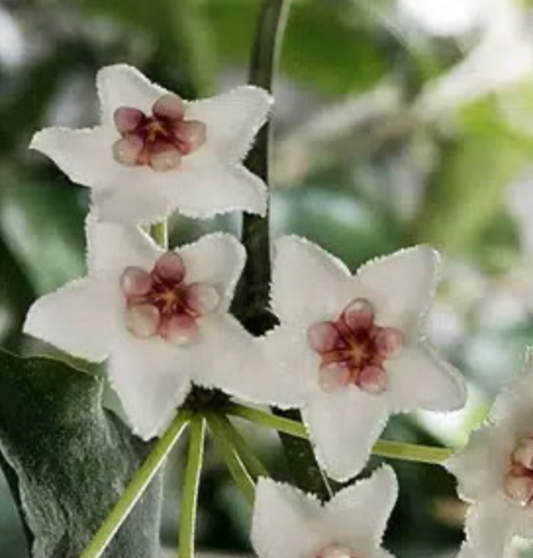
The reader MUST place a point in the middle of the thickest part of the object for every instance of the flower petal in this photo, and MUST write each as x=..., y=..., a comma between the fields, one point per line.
x=286, y=352
x=481, y=466
x=230, y=359
x=111, y=247
x=418, y=378
x=405, y=282
x=129, y=203
x=121, y=85
x=151, y=378
x=201, y=188
x=308, y=284
x=78, y=318
x=232, y=119
x=343, y=426
x=286, y=522
x=208, y=187
x=514, y=405
x=83, y=155
x=489, y=527
x=357, y=516
x=216, y=259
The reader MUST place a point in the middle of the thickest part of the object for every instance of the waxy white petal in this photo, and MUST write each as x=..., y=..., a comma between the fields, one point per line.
x=405, y=283
x=309, y=285
x=121, y=85
x=358, y=515
x=481, y=466
x=417, y=378
x=237, y=368
x=232, y=119
x=287, y=523
x=489, y=527
x=111, y=248
x=343, y=426
x=290, y=524
x=201, y=188
x=83, y=155
x=217, y=260
x=151, y=378
x=78, y=318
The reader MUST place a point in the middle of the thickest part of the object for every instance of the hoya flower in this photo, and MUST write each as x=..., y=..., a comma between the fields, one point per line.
x=354, y=346
x=290, y=524
x=154, y=152
x=495, y=472
x=160, y=317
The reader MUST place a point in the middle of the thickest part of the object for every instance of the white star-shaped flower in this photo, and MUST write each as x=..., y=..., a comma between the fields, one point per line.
x=354, y=346
x=495, y=472
x=154, y=153
x=162, y=320
x=290, y=524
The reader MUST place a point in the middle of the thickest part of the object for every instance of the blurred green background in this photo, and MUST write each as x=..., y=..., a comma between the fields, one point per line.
x=396, y=122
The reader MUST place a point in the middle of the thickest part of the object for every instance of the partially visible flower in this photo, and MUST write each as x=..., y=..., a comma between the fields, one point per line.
x=354, y=346
x=495, y=472
x=290, y=524
x=154, y=152
x=162, y=319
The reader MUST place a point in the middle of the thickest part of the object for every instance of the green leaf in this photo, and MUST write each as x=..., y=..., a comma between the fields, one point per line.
x=322, y=46
x=42, y=224
x=467, y=189
x=67, y=461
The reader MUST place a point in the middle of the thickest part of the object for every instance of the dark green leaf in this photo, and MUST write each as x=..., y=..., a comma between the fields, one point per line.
x=67, y=461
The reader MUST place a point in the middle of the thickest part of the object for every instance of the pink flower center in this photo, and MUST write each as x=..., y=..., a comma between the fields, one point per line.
x=160, y=302
x=159, y=140
x=336, y=551
x=518, y=483
x=353, y=348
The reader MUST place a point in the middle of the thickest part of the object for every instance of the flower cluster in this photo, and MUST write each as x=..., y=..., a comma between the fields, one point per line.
x=349, y=350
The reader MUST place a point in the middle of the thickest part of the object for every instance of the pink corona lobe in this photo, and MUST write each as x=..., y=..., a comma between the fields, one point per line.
x=159, y=140
x=160, y=302
x=353, y=348
x=518, y=482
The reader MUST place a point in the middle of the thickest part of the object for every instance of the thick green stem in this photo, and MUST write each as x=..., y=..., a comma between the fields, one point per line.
x=250, y=460
x=252, y=298
x=382, y=448
x=191, y=483
x=136, y=488
x=235, y=466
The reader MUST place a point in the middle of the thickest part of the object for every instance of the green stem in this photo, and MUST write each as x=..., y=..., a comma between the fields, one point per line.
x=191, y=483
x=249, y=459
x=136, y=488
x=383, y=448
x=159, y=232
x=239, y=474
x=252, y=297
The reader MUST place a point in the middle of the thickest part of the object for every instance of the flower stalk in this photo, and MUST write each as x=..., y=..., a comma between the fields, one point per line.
x=191, y=485
x=253, y=464
x=235, y=466
x=139, y=483
x=382, y=448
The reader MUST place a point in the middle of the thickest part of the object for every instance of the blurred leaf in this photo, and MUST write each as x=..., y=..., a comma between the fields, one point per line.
x=179, y=34
x=338, y=219
x=467, y=189
x=322, y=48
x=42, y=224
x=67, y=461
